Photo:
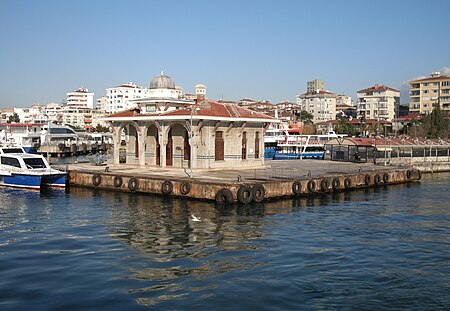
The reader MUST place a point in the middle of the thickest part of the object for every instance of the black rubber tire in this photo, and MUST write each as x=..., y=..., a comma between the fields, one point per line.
x=258, y=193
x=185, y=187
x=408, y=174
x=311, y=185
x=224, y=196
x=133, y=184
x=347, y=183
x=296, y=187
x=385, y=178
x=167, y=187
x=118, y=181
x=245, y=194
x=336, y=183
x=96, y=180
x=367, y=180
x=377, y=179
x=324, y=185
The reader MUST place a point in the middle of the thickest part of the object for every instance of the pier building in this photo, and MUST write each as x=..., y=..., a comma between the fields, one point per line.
x=167, y=131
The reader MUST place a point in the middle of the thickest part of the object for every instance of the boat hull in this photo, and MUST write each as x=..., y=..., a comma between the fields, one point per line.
x=33, y=181
x=21, y=181
x=54, y=181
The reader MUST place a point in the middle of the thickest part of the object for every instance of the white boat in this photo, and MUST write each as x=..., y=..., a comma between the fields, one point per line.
x=31, y=136
x=299, y=146
x=30, y=171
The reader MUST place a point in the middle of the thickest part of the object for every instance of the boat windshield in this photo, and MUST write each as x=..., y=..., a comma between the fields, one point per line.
x=12, y=150
x=35, y=163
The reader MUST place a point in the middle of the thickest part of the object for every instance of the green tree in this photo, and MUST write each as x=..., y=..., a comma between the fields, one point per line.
x=14, y=118
x=344, y=128
x=306, y=117
x=102, y=129
x=436, y=124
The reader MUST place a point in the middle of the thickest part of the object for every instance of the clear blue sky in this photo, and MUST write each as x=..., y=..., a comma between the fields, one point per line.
x=255, y=49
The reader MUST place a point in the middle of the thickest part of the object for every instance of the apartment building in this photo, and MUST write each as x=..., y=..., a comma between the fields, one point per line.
x=315, y=85
x=321, y=104
x=118, y=98
x=81, y=97
x=378, y=102
x=426, y=93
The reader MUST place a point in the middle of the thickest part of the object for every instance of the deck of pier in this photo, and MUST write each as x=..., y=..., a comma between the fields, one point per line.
x=274, y=180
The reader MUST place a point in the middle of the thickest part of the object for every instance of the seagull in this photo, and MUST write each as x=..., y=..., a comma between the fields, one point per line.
x=195, y=218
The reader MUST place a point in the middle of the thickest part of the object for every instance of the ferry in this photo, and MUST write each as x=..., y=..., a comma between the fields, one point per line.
x=28, y=171
x=287, y=144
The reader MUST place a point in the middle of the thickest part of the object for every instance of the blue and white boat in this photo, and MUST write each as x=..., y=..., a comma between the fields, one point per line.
x=29, y=171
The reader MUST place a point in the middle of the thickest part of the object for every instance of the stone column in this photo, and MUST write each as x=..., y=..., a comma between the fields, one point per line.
x=141, y=141
x=116, y=141
x=162, y=145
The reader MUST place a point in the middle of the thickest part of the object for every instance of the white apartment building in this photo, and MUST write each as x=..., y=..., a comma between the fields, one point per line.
x=53, y=112
x=76, y=116
x=344, y=100
x=378, y=102
x=101, y=104
x=118, y=98
x=24, y=114
x=80, y=97
x=321, y=104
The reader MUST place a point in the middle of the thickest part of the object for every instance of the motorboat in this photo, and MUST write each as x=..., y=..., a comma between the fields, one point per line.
x=29, y=171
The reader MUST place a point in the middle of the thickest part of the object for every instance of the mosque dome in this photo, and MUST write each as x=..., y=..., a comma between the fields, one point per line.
x=162, y=81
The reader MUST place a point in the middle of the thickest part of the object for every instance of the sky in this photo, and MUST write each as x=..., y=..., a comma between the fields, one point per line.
x=263, y=50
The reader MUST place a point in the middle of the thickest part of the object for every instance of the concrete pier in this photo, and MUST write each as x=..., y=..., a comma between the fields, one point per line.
x=278, y=179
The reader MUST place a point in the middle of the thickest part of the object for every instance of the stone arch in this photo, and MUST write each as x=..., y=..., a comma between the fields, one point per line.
x=178, y=148
x=128, y=138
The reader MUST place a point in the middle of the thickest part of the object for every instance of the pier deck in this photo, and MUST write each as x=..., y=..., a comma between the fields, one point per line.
x=275, y=180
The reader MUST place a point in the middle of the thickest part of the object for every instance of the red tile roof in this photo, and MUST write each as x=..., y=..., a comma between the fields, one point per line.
x=205, y=108
x=317, y=93
x=215, y=109
x=378, y=88
x=441, y=77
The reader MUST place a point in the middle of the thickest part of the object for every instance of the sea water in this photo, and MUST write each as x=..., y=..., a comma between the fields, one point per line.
x=82, y=249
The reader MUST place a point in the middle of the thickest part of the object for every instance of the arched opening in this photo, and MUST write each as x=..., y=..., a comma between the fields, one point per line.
x=152, y=147
x=129, y=144
x=169, y=149
x=178, y=149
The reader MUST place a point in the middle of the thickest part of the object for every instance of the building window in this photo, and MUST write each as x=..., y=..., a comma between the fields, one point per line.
x=244, y=145
x=257, y=145
x=219, y=147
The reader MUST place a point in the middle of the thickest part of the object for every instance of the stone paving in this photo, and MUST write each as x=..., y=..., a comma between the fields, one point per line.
x=273, y=169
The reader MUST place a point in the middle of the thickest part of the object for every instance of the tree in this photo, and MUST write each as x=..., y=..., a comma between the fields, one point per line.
x=436, y=124
x=344, y=128
x=306, y=117
x=102, y=129
x=14, y=118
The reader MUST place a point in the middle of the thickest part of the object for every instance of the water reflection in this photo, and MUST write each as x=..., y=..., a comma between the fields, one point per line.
x=175, y=257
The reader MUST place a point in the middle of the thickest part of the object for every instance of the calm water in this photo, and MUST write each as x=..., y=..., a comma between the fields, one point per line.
x=82, y=249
